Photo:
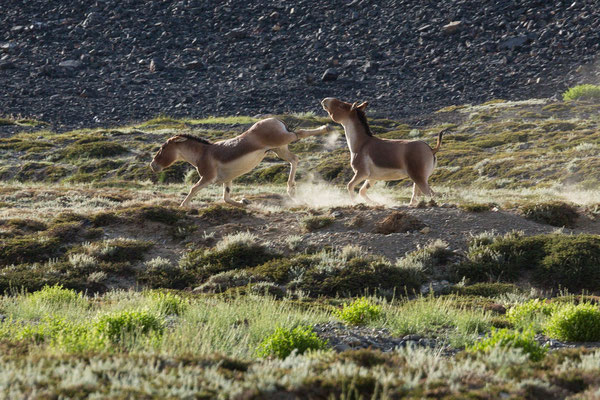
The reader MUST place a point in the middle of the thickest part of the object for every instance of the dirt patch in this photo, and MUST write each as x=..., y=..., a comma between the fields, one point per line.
x=398, y=222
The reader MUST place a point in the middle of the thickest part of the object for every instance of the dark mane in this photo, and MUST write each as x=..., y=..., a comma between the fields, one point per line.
x=363, y=121
x=196, y=138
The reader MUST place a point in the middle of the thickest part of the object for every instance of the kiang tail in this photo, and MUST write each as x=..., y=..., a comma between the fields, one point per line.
x=439, y=141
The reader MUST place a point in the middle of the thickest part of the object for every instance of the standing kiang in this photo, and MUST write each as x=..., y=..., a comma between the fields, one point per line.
x=374, y=159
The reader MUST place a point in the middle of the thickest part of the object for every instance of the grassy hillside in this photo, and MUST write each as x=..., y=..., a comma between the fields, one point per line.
x=106, y=279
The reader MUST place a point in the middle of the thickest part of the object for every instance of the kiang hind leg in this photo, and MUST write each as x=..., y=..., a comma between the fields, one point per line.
x=227, y=196
x=285, y=154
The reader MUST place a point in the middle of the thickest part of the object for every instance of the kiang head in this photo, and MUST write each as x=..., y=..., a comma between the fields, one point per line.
x=167, y=154
x=340, y=110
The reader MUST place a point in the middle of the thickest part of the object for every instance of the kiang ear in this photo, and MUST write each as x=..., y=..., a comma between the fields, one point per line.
x=179, y=139
x=362, y=106
x=354, y=106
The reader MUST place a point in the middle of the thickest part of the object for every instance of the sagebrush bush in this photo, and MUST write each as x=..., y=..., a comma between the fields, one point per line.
x=359, y=312
x=236, y=251
x=284, y=341
x=575, y=323
x=117, y=250
x=267, y=289
x=510, y=339
x=582, y=92
x=118, y=325
x=555, y=213
x=532, y=313
x=222, y=281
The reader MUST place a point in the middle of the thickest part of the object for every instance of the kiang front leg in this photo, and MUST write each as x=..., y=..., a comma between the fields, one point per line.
x=358, y=178
x=203, y=182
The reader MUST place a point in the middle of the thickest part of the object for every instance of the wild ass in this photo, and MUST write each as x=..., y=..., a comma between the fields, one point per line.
x=223, y=161
x=375, y=159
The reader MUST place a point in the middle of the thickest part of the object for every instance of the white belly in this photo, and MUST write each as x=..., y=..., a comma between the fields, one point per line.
x=240, y=166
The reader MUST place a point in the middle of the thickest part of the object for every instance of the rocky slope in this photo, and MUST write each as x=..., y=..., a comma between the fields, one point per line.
x=104, y=62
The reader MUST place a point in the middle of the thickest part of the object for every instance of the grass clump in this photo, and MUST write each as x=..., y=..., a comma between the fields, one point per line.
x=119, y=325
x=28, y=249
x=96, y=149
x=155, y=213
x=359, y=312
x=575, y=323
x=510, y=339
x=167, y=303
x=283, y=342
x=485, y=289
x=555, y=213
x=316, y=222
x=582, y=92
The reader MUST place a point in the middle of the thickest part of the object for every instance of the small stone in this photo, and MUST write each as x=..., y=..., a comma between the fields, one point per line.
x=513, y=42
x=452, y=27
x=71, y=64
x=331, y=74
x=4, y=65
x=236, y=33
x=426, y=230
x=370, y=67
x=341, y=347
x=193, y=65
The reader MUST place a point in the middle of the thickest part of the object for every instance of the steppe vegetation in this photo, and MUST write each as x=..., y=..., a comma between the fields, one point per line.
x=110, y=289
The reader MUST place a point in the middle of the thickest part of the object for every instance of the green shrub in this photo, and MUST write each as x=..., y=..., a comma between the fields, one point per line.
x=509, y=339
x=284, y=341
x=572, y=262
x=567, y=260
x=313, y=223
x=118, y=325
x=56, y=296
x=575, y=323
x=359, y=312
x=582, y=92
x=555, y=213
x=532, y=313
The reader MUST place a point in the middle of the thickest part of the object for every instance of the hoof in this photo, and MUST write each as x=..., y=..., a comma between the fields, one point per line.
x=245, y=202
